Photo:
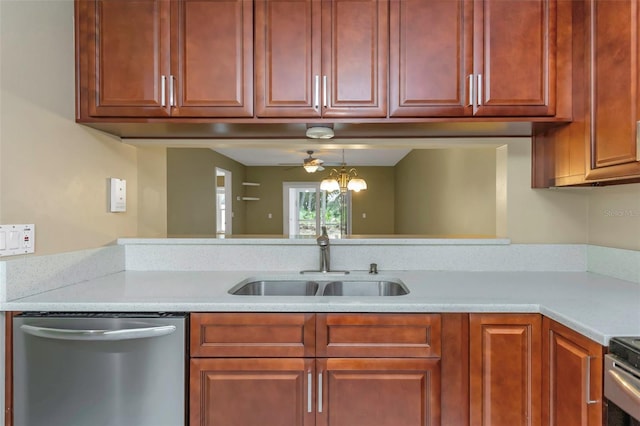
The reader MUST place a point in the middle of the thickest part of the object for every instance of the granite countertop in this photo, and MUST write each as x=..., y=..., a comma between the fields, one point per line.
x=596, y=306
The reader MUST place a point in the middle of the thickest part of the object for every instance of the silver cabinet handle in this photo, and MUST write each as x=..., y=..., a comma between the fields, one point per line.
x=320, y=392
x=163, y=90
x=172, y=98
x=470, y=88
x=587, y=386
x=324, y=91
x=638, y=140
x=98, y=335
x=309, y=391
x=479, y=89
x=316, y=93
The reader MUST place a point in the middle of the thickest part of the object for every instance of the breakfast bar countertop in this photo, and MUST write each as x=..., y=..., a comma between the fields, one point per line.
x=596, y=306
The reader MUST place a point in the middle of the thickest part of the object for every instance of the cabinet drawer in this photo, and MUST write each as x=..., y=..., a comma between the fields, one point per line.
x=252, y=335
x=378, y=335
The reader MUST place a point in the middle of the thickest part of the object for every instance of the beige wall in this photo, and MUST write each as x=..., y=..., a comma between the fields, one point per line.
x=447, y=191
x=614, y=216
x=152, y=192
x=53, y=172
x=191, y=189
x=541, y=215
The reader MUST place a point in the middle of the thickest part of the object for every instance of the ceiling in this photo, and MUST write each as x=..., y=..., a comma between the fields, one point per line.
x=384, y=145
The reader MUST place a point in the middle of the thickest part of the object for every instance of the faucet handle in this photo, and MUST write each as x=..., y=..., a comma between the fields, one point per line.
x=373, y=268
x=324, y=231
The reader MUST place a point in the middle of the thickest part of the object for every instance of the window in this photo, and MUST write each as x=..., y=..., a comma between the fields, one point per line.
x=307, y=209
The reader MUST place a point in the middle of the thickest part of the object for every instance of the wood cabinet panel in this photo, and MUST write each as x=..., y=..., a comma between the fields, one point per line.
x=287, y=54
x=126, y=49
x=212, y=58
x=572, y=377
x=265, y=392
x=378, y=335
x=505, y=382
x=515, y=57
x=381, y=392
x=252, y=335
x=430, y=57
x=355, y=43
x=614, y=47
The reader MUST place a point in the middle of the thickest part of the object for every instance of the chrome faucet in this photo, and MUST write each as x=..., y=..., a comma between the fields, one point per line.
x=325, y=253
x=325, y=256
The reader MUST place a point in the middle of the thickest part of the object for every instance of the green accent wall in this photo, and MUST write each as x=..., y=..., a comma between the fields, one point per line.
x=446, y=192
x=191, y=190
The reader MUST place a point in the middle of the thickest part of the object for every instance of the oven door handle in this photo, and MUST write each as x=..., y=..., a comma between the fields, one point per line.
x=631, y=389
x=98, y=335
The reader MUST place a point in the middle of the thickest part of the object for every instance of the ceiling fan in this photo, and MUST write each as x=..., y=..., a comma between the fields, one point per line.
x=311, y=164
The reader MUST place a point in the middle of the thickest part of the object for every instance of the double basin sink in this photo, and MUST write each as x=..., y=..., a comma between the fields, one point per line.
x=357, y=287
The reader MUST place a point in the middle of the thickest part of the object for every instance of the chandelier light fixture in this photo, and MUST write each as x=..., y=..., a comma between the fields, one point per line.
x=343, y=180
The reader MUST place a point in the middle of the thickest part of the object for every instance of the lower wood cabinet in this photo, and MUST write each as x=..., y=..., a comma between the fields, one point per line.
x=504, y=368
x=391, y=370
x=262, y=369
x=572, y=377
x=378, y=392
x=251, y=391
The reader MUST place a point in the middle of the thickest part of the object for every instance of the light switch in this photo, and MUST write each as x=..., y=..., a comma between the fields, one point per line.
x=118, y=195
x=17, y=239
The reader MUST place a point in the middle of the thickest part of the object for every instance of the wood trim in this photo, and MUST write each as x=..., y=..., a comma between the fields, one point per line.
x=378, y=335
x=454, y=370
x=252, y=335
x=8, y=368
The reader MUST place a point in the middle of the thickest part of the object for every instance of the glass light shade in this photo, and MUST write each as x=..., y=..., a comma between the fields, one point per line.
x=329, y=185
x=356, y=185
x=310, y=168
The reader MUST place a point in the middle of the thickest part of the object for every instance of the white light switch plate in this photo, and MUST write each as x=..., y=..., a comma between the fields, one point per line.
x=118, y=195
x=17, y=239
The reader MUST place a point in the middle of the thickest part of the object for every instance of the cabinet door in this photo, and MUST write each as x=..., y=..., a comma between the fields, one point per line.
x=514, y=57
x=355, y=51
x=378, y=392
x=504, y=369
x=258, y=391
x=615, y=90
x=287, y=53
x=572, y=377
x=123, y=50
x=212, y=58
x=430, y=57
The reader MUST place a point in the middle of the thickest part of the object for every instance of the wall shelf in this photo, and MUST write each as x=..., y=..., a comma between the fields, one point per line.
x=250, y=199
x=250, y=184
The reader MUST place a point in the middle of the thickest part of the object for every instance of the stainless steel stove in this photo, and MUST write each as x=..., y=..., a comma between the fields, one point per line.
x=622, y=381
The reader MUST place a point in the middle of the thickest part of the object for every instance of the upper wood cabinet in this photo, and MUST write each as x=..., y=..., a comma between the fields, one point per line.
x=458, y=57
x=154, y=58
x=602, y=144
x=430, y=58
x=514, y=57
x=614, y=92
x=324, y=58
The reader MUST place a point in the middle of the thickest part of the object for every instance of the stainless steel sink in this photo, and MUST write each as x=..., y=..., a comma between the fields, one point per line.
x=365, y=288
x=276, y=288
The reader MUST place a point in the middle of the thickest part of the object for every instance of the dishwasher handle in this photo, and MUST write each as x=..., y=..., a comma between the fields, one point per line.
x=98, y=335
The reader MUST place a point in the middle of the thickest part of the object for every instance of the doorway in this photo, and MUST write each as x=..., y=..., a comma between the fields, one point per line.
x=224, y=202
x=307, y=208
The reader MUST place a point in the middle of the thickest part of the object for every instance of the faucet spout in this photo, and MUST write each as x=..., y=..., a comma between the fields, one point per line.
x=325, y=254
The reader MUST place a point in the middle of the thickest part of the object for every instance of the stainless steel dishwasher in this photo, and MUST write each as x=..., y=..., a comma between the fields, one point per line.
x=99, y=369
